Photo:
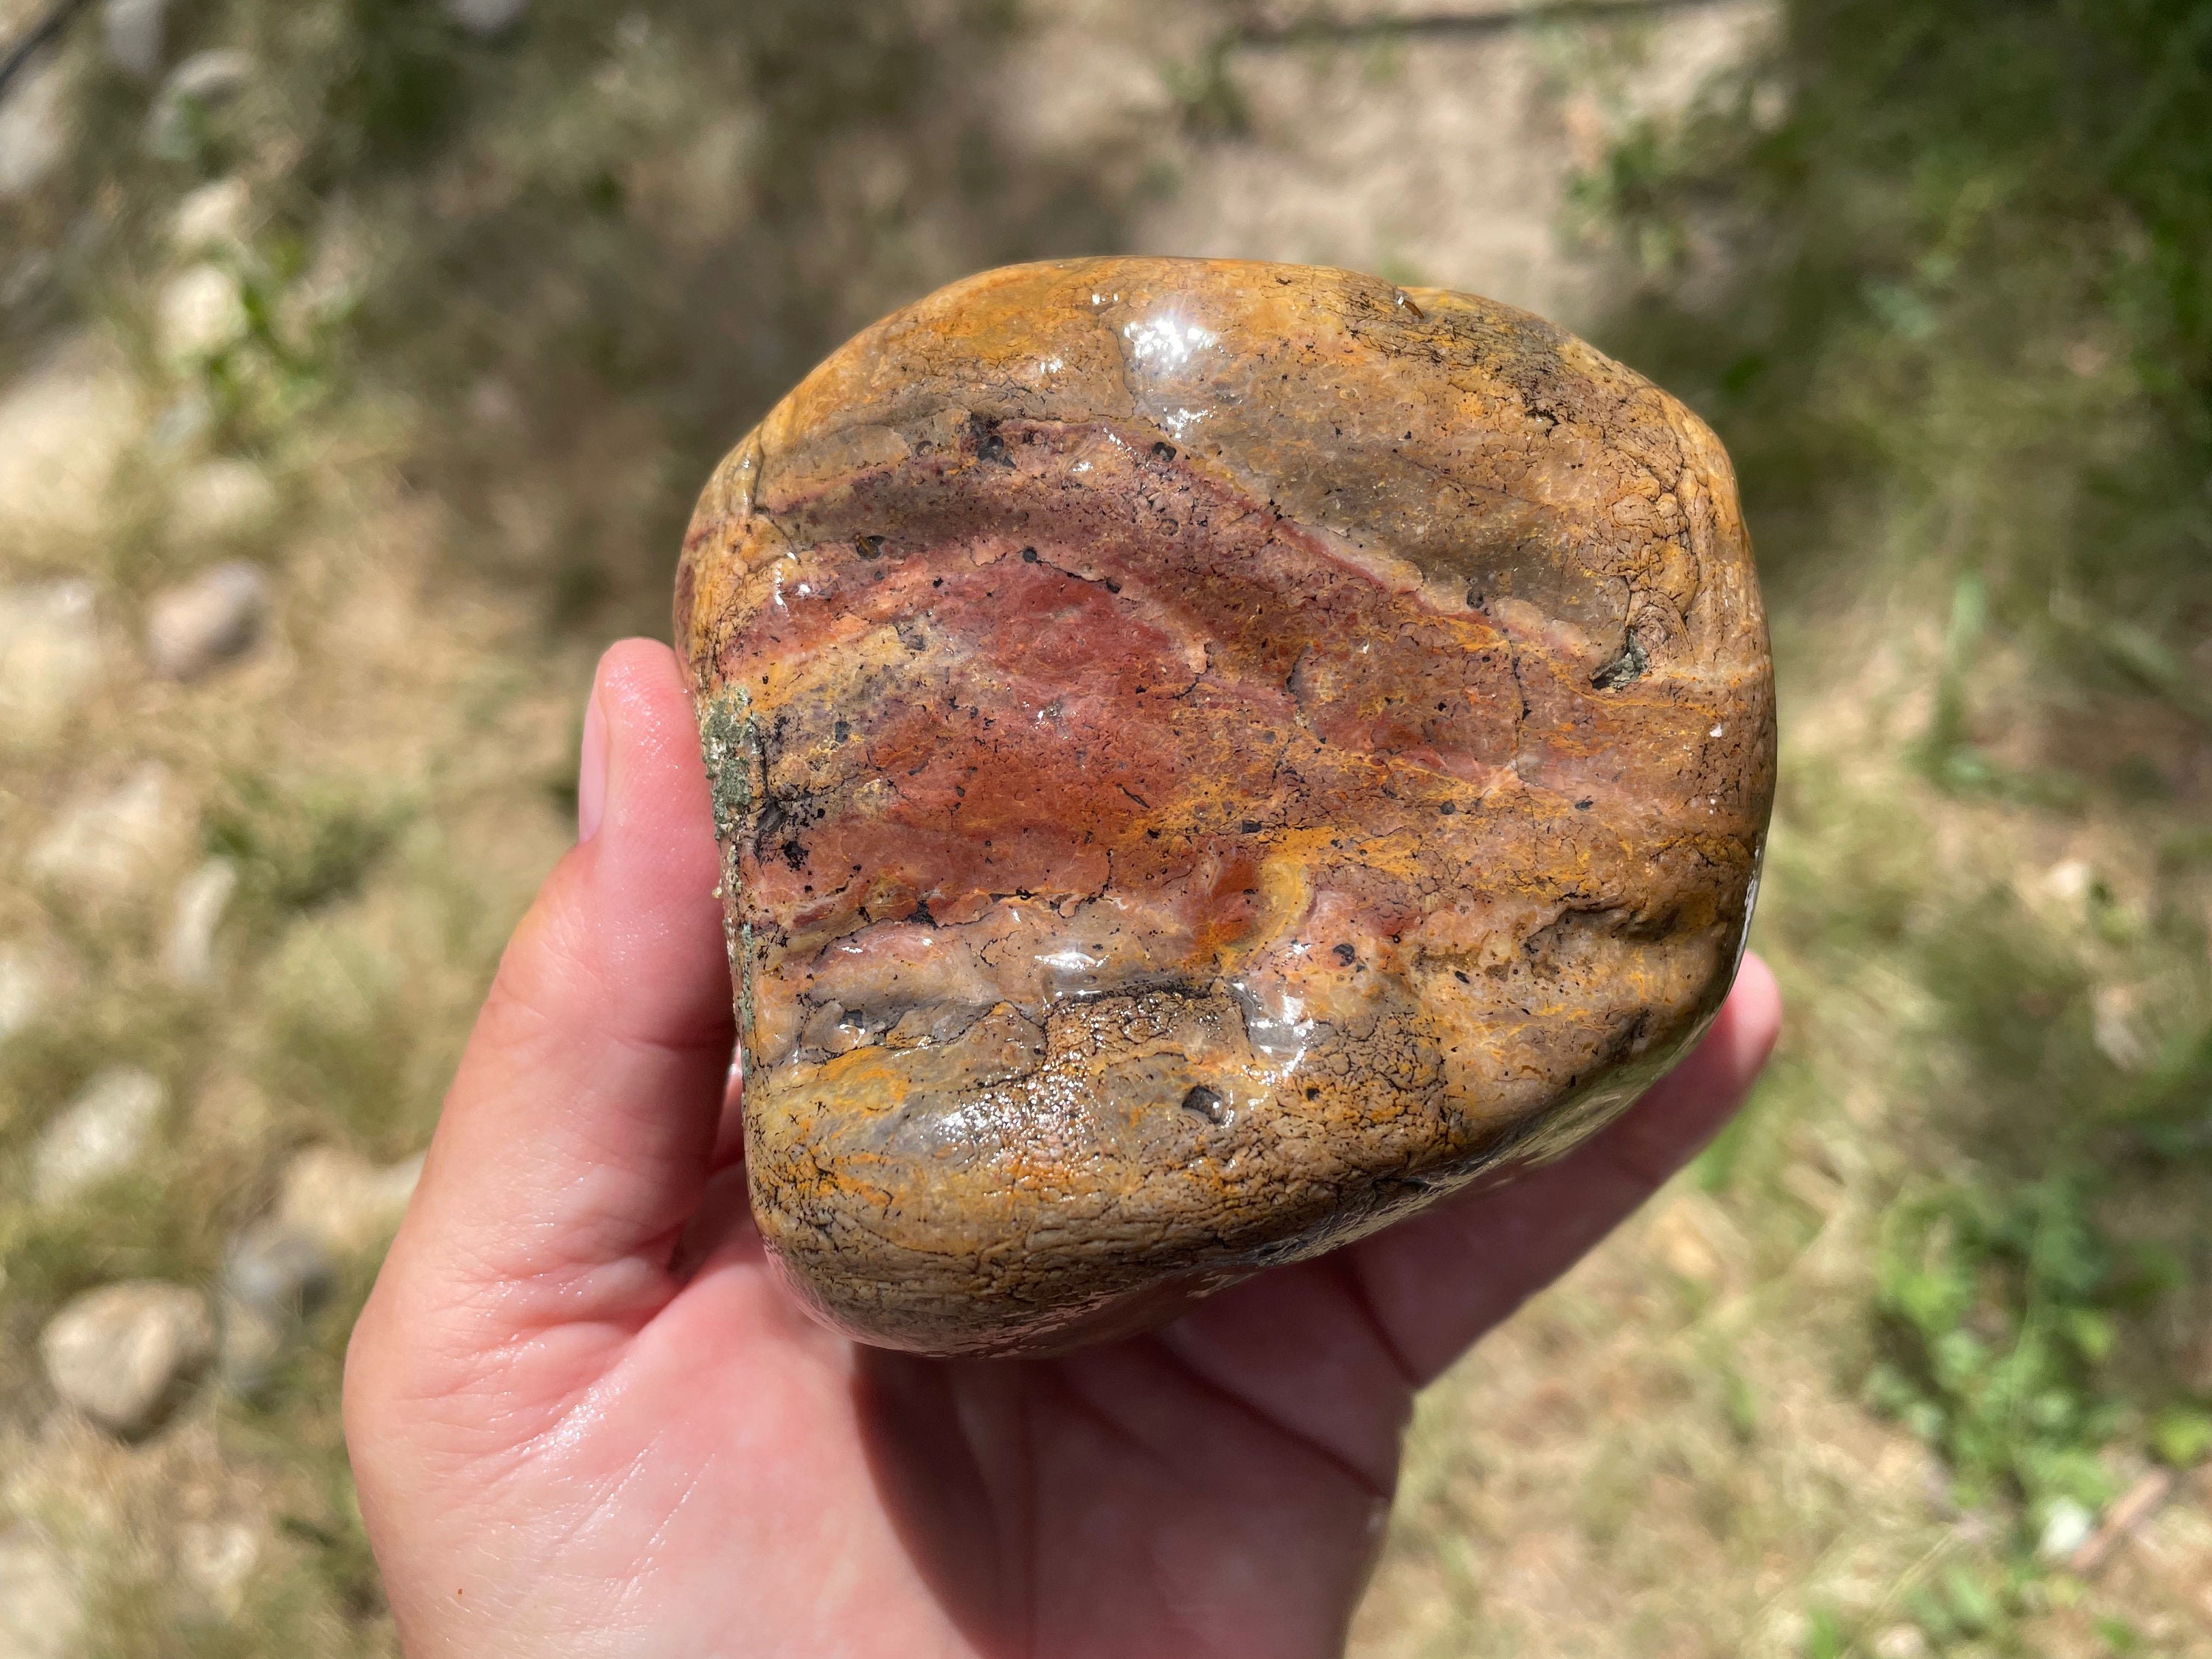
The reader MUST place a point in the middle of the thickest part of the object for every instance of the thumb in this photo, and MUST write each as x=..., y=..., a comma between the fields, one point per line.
x=575, y=1139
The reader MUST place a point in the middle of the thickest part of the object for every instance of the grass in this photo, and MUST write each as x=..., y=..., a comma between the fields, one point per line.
x=1938, y=274
x=1937, y=271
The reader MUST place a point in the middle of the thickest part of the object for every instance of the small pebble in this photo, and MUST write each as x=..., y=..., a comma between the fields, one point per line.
x=120, y=1354
x=2115, y=1030
x=218, y=1558
x=108, y=845
x=189, y=955
x=331, y=1205
x=23, y=990
x=201, y=314
x=206, y=79
x=212, y=219
x=486, y=18
x=41, y=1598
x=33, y=129
x=273, y=1275
x=219, y=501
x=2066, y=1527
x=208, y=621
x=100, y=1134
x=50, y=656
x=136, y=32
x=345, y=1203
x=65, y=424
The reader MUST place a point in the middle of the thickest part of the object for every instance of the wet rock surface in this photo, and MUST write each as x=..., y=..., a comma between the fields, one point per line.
x=122, y=1354
x=1209, y=757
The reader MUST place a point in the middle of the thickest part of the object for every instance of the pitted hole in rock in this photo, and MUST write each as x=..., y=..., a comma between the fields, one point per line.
x=1628, y=665
x=1206, y=1103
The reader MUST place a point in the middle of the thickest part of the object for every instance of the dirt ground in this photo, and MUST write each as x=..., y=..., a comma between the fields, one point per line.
x=444, y=383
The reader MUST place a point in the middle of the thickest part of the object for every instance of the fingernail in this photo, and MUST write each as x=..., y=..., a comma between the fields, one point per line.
x=592, y=770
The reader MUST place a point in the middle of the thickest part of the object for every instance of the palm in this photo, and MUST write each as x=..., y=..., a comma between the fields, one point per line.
x=1110, y=1503
x=565, y=1445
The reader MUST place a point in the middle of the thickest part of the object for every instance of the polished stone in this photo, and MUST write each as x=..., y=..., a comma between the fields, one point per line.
x=1209, y=757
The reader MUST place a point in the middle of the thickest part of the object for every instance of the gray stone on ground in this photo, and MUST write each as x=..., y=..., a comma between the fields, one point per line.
x=486, y=18
x=33, y=128
x=188, y=955
x=273, y=1275
x=42, y=1601
x=102, y=1132
x=332, y=1204
x=108, y=844
x=206, y=621
x=122, y=1354
x=135, y=33
x=50, y=656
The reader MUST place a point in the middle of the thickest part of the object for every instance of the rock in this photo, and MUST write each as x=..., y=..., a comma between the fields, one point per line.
x=50, y=655
x=2067, y=1526
x=210, y=78
x=204, y=81
x=486, y=18
x=2117, y=1030
x=100, y=1134
x=207, y=621
x=213, y=219
x=107, y=845
x=202, y=315
x=278, y=1269
x=182, y=423
x=1224, y=791
x=345, y=1204
x=23, y=990
x=219, y=501
x=41, y=1600
x=137, y=32
x=2069, y=881
x=218, y=1558
x=64, y=425
x=1901, y=1642
x=33, y=129
x=331, y=1205
x=121, y=1355
x=273, y=1275
x=189, y=955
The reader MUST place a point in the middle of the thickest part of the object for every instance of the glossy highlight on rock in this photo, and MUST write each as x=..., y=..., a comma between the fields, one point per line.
x=1209, y=758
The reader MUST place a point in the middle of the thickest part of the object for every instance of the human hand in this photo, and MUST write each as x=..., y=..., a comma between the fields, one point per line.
x=586, y=1420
